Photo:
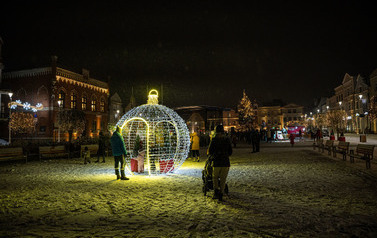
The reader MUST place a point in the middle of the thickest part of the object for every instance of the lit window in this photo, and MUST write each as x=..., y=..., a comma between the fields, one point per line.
x=83, y=102
x=73, y=100
x=93, y=104
x=102, y=105
x=62, y=98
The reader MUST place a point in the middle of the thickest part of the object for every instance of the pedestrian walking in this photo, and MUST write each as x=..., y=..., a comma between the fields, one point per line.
x=269, y=136
x=220, y=149
x=101, y=147
x=119, y=152
x=194, y=140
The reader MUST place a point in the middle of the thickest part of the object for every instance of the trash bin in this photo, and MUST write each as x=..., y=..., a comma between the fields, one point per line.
x=363, y=138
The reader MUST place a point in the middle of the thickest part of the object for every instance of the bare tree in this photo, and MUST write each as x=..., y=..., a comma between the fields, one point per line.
x=336, y=119
x=22, y=122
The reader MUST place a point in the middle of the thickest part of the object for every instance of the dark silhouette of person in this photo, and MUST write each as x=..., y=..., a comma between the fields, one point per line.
x=220, y=149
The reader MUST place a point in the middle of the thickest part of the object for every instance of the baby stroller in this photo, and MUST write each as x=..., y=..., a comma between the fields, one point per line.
x=207, y=177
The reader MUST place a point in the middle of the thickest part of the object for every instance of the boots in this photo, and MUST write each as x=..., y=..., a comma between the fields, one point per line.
x=117, y=174
x=220, y=196
x=123, y=176
x=216, y=194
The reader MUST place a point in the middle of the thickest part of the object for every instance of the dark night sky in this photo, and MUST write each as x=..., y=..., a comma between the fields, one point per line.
x=202, y=51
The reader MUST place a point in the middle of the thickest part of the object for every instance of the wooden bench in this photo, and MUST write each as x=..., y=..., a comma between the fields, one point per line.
x=17, y=153
x=342, y=148
x=53, y=151
x=328, y=146
x=364, y=152
x=91, y=148
x=319, y=144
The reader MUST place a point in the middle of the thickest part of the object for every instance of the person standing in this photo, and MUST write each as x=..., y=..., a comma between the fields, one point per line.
x=195, y=146
x=253, y=142
x=257, y=138
x=101, y=147
x=119, y=152
x=220, y=149
x=292, y=139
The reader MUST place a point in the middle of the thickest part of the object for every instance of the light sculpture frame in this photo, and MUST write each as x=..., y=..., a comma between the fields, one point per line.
x=164, y=135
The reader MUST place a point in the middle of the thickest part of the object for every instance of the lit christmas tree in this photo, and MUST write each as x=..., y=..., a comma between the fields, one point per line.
x=247, y=111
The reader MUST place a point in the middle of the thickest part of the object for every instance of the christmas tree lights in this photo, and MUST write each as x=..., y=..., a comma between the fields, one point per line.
x=159, y=132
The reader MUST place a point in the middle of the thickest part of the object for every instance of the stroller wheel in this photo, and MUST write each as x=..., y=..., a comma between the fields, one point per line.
x=226, y=189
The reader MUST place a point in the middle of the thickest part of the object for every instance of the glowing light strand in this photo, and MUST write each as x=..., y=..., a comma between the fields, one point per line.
x=164, y=135
x=26, y=105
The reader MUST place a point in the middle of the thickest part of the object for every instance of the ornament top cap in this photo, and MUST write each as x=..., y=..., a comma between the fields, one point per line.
x=153, y=97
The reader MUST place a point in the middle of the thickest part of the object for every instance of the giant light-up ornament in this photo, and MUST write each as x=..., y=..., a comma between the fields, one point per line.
x=164, y=136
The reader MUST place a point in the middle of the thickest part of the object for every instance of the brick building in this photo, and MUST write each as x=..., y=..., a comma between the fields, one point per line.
x=53, y=86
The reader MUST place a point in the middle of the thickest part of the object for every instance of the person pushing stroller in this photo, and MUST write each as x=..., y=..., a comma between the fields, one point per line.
x=219, y=151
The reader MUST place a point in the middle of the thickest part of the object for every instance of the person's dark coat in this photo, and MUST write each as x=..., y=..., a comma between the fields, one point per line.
x=117, y=144
x=220, y=149
x=101, y=144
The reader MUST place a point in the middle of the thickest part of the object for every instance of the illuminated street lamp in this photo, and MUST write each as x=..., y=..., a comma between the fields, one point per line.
x=59, y=103
x=340, y=103
x=10, y=113
x=327, y=107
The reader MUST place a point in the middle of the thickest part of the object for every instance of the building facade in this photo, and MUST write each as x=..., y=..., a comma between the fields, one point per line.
x=352, y=96
x=59, y=89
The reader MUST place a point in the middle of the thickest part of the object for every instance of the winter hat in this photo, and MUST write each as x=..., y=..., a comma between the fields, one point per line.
x=219, y=129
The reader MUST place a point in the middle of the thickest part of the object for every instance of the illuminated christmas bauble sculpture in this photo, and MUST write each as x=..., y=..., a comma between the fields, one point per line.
x=157, y=133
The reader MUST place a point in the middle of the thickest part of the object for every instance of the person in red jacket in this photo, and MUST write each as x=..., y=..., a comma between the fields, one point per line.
x=292, y=139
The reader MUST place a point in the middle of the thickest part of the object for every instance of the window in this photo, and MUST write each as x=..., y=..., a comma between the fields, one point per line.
x=93, y=104
x=289, y=111
x=62, y=98
x=73, y=100
x=294, y=110
x=83, y=102
x=102, y=105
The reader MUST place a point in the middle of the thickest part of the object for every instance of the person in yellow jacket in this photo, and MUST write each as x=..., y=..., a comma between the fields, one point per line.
x=194, y=140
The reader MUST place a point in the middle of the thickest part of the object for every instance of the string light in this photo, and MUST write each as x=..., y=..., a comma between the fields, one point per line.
x=162, y=133
x=26, y=105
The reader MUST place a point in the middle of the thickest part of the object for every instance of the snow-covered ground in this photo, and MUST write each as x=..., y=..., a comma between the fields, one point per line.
x=279, y=192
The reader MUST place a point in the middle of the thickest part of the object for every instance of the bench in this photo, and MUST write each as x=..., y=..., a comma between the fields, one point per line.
x=364, y=152
x=319, y=144
x=328, y=146
x=7, y=154
x=53, y=151
x=342, y=148
x=91, y=148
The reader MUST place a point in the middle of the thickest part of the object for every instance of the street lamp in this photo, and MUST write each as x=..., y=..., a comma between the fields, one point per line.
x=59, y=102
x=327, y=107
x=10, y=113
x=340, y=103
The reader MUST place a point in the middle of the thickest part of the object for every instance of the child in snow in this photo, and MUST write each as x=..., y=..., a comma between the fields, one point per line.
x=140, y=162
x=86, y=155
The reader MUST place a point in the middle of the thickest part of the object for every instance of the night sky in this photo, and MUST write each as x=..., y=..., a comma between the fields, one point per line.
x=203, y=52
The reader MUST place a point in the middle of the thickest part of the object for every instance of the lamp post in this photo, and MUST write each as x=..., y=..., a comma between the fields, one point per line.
x=59, y=102
x=10, y=113
x=360, y=104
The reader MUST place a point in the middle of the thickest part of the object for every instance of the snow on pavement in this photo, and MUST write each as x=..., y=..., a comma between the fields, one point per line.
x=279, y=192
